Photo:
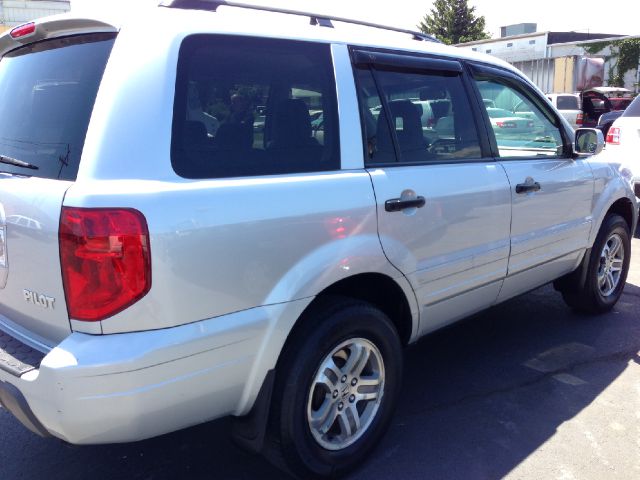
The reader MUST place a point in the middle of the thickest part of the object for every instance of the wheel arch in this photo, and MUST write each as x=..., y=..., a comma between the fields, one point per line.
x=394, y=297
x=612, y=194
x=625, y=209
x=397, y=301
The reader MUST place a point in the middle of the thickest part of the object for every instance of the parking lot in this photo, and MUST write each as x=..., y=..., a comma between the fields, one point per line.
x=527, y=390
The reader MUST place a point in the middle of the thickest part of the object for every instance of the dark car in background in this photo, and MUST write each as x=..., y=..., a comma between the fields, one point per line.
x=606, y=120
x=601, y=100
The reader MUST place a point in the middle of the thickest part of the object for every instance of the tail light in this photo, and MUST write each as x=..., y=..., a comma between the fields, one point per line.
x=613, y=136
x=506, y=124
x=579, y=119
x=105, y=259
x=23, y=30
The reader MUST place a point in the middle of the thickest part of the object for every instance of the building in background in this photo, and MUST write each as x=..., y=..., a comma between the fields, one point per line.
x=557, y=62
x=17, y=12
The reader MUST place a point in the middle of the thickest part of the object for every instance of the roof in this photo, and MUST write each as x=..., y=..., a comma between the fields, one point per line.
x=568, y=37
x=608, y=90
x=231, y=20
x=552, y=37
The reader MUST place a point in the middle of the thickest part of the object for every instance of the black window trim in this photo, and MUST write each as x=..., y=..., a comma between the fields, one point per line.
x=362, y=57
x=398, y=61
x=516, y=81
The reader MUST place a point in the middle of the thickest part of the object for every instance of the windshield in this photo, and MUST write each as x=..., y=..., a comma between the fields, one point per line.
x=47, y=92
x=633, y=110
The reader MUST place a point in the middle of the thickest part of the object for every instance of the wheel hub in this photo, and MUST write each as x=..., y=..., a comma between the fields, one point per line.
x=611, y=262
x=345, y=394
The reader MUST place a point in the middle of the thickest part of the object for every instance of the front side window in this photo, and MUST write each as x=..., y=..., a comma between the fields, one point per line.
x=247, y=107
x=416, y=117
x=520, y=127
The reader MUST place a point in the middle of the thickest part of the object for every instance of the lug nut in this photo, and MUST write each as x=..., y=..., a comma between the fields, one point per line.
x=352, y=398
x=340, y=406
x=354, y=381
x=344, y=378
x=335, y=394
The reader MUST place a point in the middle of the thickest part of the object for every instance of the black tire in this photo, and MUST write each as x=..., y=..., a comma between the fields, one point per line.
x=582, y=292
x=290, y=443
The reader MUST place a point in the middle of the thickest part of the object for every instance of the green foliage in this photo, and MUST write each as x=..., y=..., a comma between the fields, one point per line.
x=453, y=21
x=626, y=52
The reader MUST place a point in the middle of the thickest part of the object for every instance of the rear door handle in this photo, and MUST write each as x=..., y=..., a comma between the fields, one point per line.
x=398, y=204
x=527, y=187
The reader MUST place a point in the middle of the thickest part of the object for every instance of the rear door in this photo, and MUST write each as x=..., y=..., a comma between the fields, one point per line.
x=551, y=192
x=47, y=91
x=443, y=208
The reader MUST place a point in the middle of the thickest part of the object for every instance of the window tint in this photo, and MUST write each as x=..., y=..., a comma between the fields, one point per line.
x=247, y=107
x=427, y=115
x=567, y=102
x=633, y=110
x=521, y=128
x=47, y=92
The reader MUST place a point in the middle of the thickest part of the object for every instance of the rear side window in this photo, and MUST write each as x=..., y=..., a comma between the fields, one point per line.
x=421, y=117
x=47, y=92
x=633, y=110
x=247, y=107
x=567, y=102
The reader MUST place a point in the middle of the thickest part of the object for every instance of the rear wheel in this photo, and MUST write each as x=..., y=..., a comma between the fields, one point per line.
x=336, y=387
x=606, y=270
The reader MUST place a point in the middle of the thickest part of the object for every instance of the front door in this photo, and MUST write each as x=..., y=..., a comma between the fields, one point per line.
x=551, y=192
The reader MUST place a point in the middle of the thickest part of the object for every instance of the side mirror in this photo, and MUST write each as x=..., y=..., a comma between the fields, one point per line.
x=589, y=141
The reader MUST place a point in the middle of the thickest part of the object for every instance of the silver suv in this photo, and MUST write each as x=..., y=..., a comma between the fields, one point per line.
x=178, y=243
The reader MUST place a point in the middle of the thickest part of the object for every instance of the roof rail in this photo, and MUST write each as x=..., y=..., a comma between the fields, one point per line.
x=315, y=19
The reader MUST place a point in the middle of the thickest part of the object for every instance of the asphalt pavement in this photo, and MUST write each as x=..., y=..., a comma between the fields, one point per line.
x=527, y=390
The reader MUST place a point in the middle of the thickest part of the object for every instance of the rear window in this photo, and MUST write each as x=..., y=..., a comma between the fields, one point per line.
x=47, y=92
x=567, y=102
x=633, y=110
x=253, y=106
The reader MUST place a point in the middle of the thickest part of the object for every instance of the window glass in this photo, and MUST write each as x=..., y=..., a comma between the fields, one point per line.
x=47, y=92
x=429, y=117
x=247, y=107
x=568, y=102
x=520, y=127
x=633, y=110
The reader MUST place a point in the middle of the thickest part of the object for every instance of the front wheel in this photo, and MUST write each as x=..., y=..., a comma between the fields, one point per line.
x=606, y=271
x=336, y=387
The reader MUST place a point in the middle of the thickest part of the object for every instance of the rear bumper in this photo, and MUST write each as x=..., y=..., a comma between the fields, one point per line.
x=128, y=387
x=12, y=399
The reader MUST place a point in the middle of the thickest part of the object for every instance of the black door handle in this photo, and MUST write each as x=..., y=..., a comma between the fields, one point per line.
x=397, y=204
x=527, y=187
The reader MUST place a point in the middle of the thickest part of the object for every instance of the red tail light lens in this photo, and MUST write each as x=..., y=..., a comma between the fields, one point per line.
x=105, y=258
x=613, y=136
x=23, y=30
x=579, y=119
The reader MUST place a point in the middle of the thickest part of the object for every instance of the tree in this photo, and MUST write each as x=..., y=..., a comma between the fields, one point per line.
x=453, y=21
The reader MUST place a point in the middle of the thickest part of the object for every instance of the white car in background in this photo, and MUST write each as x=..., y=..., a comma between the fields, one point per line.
x=623, y=143
x=568, y=104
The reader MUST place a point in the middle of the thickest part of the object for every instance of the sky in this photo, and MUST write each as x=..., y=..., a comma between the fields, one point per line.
x=550, y=15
